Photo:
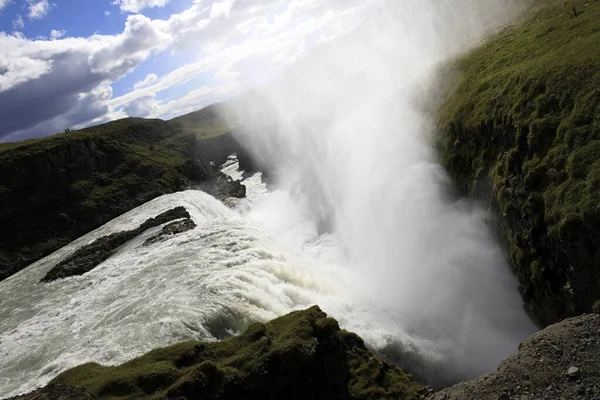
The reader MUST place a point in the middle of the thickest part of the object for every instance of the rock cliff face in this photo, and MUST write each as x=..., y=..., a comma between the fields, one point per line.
x=54, y=190
x=520, y=129
x=303, y=355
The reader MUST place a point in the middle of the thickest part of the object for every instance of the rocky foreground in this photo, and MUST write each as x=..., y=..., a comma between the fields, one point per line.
x=559, y=362
x=303, y=355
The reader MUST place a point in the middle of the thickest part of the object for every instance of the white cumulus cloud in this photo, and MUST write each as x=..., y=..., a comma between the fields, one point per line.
x=221, y=8
x=3, y=3
x=20, y=70
x=38, y=9
x=47, y=85
x=149, y=80
x=57, y=34
x=135, y=6
x=18, y=23
x=142, y=107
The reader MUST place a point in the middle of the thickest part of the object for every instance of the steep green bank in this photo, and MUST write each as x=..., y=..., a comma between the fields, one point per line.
x=54, y=190
x=521, y=128
x=303, y=355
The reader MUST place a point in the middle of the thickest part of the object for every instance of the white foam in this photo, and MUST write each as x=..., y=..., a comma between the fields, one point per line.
x=202, y=284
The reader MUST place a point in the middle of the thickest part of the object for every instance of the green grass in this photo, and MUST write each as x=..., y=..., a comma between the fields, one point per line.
x=118, y=127
x=523, y=119
x=12, y=145
x=301, y=355
x=206, y=123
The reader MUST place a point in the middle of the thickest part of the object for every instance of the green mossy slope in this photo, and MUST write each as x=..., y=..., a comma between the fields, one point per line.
x=303, y=355
x=55, y=189
x=206, y=123
x=521, y=127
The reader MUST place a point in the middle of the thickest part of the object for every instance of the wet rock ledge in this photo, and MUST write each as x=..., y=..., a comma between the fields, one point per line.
x=90, y=256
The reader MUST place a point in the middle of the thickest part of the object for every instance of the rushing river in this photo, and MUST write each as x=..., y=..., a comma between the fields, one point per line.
x=256, y=260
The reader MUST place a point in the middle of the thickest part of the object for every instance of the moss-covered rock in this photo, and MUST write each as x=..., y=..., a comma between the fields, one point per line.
x=303, y=355
x=521, y=128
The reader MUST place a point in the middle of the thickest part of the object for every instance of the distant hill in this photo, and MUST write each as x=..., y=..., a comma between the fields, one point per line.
x=55, y=189
x=206, y=123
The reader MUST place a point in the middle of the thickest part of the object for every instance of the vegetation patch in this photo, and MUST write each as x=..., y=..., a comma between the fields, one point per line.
x=521, y=128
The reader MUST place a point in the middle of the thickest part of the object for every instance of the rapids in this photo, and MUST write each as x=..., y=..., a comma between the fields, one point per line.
x=257, y=261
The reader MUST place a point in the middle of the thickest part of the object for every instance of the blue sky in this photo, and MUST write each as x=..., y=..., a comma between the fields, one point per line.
x=72, y=63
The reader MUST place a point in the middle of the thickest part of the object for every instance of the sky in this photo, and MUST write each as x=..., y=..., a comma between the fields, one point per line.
x=74, y=63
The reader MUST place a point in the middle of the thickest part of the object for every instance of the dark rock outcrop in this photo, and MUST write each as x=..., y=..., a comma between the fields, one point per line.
x=559, y=362
x=171, y=229
x=303, y=355
x=90, y=256
x=223, y=186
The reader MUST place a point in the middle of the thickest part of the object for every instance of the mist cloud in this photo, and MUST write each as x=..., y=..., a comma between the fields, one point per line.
x=344, y=133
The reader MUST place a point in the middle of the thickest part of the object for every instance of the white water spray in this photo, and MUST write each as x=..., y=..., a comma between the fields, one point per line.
x=344, y=131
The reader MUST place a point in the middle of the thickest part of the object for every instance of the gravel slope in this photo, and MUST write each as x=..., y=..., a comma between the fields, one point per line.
x=559, y=362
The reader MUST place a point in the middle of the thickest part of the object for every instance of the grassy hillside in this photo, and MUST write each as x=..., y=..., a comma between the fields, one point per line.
x=205, y=123
x=303, y=355
x=521, y=127
x=55, y=189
